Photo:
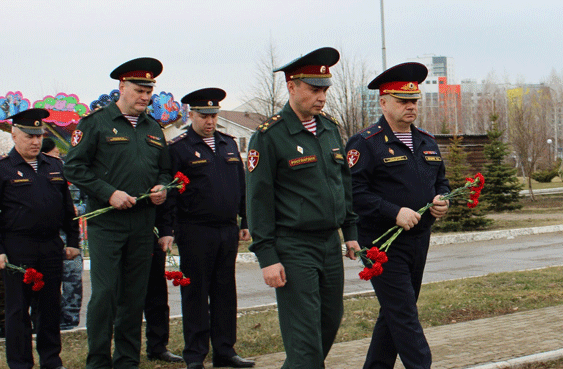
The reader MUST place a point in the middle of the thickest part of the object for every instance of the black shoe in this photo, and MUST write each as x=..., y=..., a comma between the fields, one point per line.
x=195, y=366
x=166, y=356
x=232, y=362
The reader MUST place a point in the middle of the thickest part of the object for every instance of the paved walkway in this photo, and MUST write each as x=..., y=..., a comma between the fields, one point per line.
x=501, y=342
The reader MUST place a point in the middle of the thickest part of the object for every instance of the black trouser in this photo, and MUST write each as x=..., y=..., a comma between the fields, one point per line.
x=157, y=311
x=398, y=330
x=209, y=303
x=47, y=258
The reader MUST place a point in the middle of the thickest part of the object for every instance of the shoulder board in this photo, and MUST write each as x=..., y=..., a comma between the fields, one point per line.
x=426, y=132
x=176, y=139
x=91, y=112
x=370, y=131
x=226, y=134
x=53, y=157
x=330, y=117
x=270, y=122
x=3, y=156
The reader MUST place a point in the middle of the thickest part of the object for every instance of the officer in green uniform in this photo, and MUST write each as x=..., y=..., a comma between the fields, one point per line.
x=119, y=152
x=299, y=196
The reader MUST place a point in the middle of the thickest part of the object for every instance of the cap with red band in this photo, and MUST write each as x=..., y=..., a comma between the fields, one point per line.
x=312, y=68
x=401, y=81
x=141, y=71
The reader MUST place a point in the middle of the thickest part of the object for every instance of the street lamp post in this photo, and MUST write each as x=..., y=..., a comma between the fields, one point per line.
x=549, y=142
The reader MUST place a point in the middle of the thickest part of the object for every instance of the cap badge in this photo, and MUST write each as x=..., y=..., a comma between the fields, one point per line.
x=114, y=131
x=37, y=123
x=148, y=75
x=210, y=103
x=391, y=151
x=300, y=149
x=197, y=154
x=323, y=69
x=20, y=174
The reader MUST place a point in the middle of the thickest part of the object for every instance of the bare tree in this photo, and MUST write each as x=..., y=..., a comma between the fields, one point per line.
x=268, y=94
x=348, y=99
x=528, y=112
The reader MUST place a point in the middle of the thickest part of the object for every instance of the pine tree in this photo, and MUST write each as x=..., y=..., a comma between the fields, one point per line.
x=502, y=188
x=459, y=216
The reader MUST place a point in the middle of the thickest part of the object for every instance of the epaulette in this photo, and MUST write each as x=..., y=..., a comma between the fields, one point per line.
x=371, y=131
x=91, y=112
x=270, y=122
x=53, y=156
x=177, y=138
x=226, y=134
x=426, y=132
x=330, y=117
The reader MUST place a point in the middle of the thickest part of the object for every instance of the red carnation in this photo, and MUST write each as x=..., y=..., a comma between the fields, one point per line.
x=38, y=285
x=176, y=282
x=373, y=253
x=184, y=282
x=182, y=180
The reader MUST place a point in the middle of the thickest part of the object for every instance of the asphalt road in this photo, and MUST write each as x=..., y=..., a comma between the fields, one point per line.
x=445, y=262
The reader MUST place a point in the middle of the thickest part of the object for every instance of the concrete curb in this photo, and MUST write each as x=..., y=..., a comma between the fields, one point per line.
x=521, y=361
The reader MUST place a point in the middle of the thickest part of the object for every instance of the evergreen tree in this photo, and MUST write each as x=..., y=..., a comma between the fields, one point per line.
x=459, y=216
x=502, y=188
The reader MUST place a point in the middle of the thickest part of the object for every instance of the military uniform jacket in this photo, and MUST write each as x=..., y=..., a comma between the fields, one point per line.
x=387, y=175
x=216, y=192
x=297, y=181
x=108, y=154
x=35, y=204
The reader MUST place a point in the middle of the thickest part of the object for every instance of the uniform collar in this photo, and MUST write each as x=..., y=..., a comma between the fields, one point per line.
x=417, y=137
x=17, y=159
x=195, y=138
x=115, y=113
x=294, y=124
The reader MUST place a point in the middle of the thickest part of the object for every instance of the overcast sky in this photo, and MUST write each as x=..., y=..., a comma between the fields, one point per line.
x=72, y=46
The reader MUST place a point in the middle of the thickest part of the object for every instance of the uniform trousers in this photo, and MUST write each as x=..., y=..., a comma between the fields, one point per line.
x=46, y=256
x=310, y=305
x=120, y=245
x=397, y=329
x=209, y=304
x=157, y=311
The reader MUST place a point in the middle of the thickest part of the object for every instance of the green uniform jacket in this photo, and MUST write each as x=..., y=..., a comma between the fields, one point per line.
x=297, y=181
x=108, y=154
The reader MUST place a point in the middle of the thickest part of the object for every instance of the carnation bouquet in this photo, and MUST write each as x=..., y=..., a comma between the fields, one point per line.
x=30, y=276
x=374, y=257
x=180, y=181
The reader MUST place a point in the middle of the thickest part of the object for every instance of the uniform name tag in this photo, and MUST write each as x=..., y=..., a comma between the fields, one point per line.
x=303, y=160
x=433, y=158
x=56, y=179
x=230, y=160
x=196, y=162
x=394, y=159
x=20, y=180
x=117, y=139
x=154, y=142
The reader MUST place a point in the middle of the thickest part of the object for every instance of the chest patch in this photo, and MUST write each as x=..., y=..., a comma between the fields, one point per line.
x=303, y=160
x=253, y=158
x=433, y=158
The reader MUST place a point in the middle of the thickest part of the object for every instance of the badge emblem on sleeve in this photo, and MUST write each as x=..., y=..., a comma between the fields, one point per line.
x=253, y=157
x=76, y=137
x=353, y=157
